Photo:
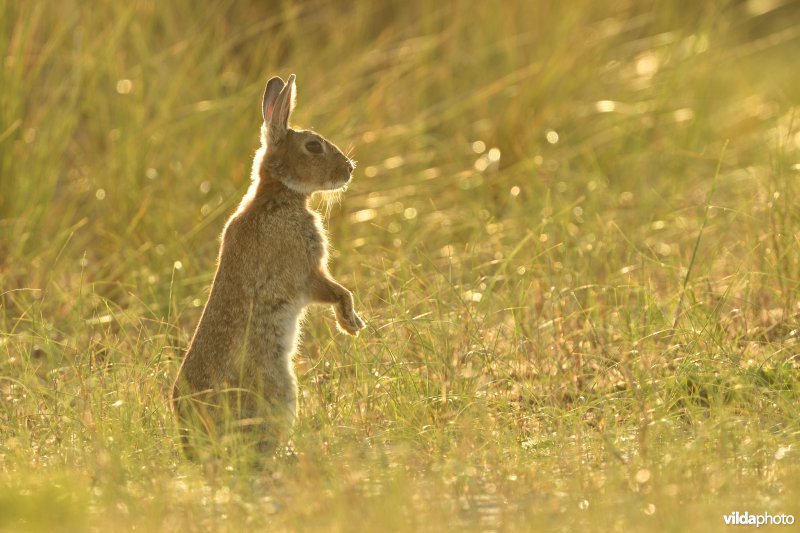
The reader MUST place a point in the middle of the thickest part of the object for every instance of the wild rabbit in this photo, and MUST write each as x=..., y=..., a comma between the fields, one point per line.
x=272, y=263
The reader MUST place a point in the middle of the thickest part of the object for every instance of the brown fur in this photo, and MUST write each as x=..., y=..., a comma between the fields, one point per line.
x=272, y=263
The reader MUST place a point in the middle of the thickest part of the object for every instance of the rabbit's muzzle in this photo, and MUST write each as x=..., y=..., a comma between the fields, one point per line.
x=343, y=172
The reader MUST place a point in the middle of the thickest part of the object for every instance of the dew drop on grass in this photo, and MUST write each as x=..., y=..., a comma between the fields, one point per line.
x=605, y=106
x=683, y=115
x=647, y=65
x=394, y=162
x=642, y=476
x=364, y=215
x=124, y=86
x=650, y=509
x=583, y=505
x=780, y=453
x=431, y=173
x=100, y=194
x=663, y=249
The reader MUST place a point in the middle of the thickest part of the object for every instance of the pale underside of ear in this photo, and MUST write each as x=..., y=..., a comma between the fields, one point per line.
x=274, y=87
x=279, y=101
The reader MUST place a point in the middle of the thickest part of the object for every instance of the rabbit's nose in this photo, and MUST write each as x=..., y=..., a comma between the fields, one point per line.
x=347, y=168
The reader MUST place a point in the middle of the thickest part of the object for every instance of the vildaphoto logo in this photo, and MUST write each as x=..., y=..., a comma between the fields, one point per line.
x=764, y=519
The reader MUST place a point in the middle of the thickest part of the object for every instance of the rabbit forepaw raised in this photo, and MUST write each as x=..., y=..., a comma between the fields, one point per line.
x=350, y=322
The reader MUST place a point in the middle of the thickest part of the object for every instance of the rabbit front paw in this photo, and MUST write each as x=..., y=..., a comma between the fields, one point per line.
x=349, y=321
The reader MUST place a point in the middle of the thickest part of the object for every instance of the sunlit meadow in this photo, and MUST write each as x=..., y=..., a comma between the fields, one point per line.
x=574, y=233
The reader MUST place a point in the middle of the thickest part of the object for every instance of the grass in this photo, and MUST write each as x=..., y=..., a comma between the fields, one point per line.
x=573, y=231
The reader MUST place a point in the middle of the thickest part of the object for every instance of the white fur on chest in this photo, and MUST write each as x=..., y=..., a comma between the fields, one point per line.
x=290, y=320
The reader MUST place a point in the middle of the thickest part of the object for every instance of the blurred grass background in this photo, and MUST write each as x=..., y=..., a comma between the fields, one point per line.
x=573, y=231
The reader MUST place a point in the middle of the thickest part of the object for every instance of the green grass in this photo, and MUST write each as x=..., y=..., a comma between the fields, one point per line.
x=573, y=232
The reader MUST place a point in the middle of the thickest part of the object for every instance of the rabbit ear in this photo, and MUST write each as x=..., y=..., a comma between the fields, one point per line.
x=284, y=106
x=274, y=87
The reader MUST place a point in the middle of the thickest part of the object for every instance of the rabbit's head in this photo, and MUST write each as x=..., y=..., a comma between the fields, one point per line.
x=302, y=160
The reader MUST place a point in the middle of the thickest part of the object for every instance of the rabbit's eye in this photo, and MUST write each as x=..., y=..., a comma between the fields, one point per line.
x=315, y=147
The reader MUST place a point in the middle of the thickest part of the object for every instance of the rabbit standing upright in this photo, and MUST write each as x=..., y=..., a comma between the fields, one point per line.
x=272, y=263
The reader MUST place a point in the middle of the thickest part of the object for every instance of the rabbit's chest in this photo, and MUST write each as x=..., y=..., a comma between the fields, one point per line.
x=316, y=244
